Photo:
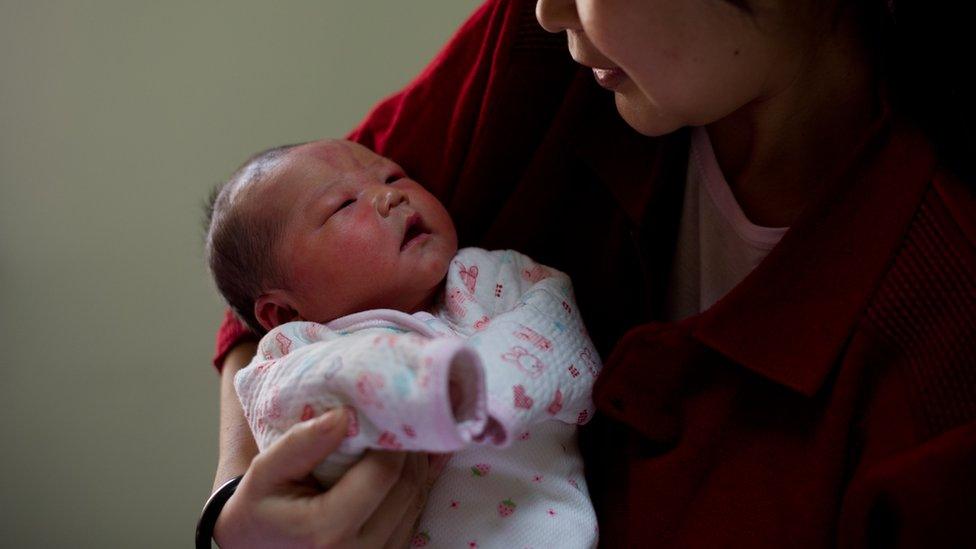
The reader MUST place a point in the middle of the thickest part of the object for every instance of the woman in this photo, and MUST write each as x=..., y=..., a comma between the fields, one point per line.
x=785, y=293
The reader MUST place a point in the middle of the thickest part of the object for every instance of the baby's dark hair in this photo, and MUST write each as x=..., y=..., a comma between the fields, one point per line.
x=240, y=241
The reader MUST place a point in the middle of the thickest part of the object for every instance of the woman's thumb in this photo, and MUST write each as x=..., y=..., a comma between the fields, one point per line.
x=293, y=456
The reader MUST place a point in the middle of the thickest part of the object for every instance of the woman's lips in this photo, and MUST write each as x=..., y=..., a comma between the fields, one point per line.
x=609, y=78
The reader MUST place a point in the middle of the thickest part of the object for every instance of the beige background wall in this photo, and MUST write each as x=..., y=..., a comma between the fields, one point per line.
x=115, y=119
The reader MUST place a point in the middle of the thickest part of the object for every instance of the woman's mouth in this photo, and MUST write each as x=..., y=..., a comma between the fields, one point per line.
x=415, y=232
x=609, y=78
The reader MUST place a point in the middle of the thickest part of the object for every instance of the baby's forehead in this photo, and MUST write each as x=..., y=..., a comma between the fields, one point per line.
x=308, y=169
x=338, y=154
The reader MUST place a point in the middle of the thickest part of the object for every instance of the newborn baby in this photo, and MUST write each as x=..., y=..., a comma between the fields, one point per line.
x=354, y=269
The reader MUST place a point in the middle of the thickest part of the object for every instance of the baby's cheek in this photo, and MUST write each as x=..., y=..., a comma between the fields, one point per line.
x=364, y=239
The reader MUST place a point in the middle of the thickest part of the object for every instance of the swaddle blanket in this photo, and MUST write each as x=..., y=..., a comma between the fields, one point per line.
x=500, y=371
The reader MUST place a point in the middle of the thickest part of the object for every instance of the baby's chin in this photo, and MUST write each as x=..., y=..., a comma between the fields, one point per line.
x=446, y=258
x=435, y=272
x=437, y=257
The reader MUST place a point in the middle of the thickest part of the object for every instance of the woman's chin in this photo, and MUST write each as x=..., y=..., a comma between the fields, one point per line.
x=639, y=113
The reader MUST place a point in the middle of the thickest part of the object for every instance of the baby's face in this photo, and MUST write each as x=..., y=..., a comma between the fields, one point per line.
x=358, y=233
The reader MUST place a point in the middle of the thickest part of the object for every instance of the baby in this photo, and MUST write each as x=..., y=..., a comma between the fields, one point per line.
x=354, y=269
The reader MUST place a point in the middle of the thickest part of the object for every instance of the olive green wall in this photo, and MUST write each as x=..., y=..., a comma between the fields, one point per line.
x=115, y=119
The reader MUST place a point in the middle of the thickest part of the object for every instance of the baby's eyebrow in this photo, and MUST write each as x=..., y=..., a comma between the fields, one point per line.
x=383, y=162
x=392, y=164
x=314, y=202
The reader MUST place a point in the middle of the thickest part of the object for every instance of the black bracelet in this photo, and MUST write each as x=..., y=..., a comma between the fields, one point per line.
x=211, y=510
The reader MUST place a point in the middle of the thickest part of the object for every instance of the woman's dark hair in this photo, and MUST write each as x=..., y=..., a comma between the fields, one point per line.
x=924, y=48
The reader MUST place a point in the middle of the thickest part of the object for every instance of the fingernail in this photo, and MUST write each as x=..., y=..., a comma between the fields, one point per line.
x=329, y=420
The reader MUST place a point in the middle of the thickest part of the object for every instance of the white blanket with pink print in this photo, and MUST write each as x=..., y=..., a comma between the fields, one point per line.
x=500, y=372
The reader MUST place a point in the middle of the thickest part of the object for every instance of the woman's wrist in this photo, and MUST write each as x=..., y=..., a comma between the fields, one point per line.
x=211, y=511
x=227, y=469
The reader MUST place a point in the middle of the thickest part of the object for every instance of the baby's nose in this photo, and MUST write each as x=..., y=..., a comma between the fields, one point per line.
x=388, y=199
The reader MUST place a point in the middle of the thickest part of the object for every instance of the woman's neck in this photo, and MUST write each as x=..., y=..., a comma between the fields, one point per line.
x=778, y=151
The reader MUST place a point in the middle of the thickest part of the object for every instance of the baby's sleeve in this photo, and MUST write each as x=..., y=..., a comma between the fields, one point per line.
x=483, y=284
x=540, y=363
x=406, y=392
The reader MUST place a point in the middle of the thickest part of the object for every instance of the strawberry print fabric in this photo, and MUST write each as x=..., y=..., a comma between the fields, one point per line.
x=500, y=372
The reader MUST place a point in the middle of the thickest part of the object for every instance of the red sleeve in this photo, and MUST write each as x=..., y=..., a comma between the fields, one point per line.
x=230, y=333
x=923, y=497
x=430, y=125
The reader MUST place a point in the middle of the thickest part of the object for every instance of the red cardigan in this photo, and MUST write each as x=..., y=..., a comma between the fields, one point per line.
x=829, y=399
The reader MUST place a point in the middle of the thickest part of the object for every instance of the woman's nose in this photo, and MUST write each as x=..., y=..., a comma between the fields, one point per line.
x=389, y=198
x=557, y=15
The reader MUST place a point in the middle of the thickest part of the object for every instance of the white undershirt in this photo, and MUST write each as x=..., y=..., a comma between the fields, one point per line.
x=717, y=244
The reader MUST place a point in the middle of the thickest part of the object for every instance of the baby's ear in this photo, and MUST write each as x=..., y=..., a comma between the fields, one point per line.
x=274, y=309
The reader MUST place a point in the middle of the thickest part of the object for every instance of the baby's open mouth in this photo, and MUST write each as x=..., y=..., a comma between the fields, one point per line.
x=415, y=231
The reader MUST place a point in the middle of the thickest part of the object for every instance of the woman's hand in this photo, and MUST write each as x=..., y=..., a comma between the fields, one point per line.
x=374, y=504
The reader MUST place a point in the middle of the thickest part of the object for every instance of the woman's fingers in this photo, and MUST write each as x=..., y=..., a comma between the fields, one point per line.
x=359, y=492
x=293, y=456
x=393, y=521
x=375, y=503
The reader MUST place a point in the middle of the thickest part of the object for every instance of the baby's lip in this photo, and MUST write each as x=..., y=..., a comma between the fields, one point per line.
x=413, y=227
